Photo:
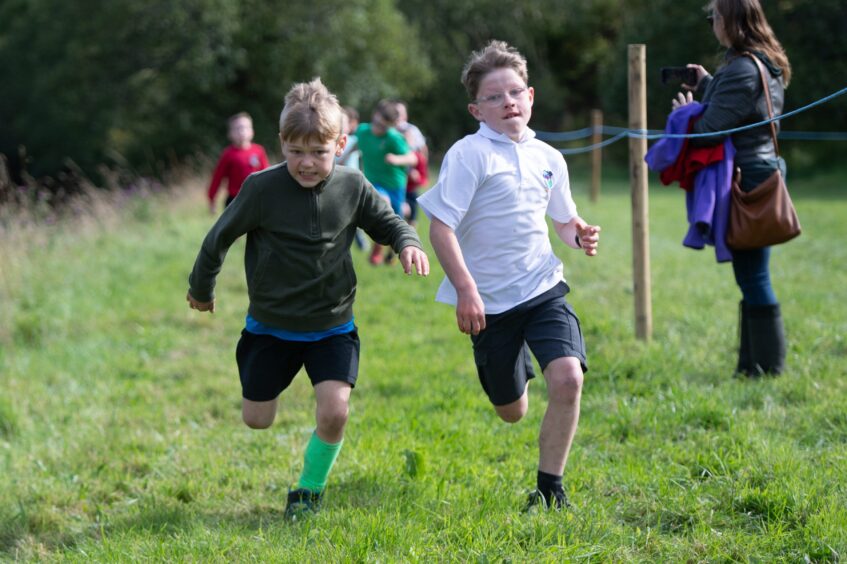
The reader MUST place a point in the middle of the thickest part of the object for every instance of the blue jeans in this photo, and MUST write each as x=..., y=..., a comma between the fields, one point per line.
x=752, y=274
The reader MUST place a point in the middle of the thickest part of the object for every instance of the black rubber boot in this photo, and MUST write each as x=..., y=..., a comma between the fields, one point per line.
x=767, y=339
x=745, y=366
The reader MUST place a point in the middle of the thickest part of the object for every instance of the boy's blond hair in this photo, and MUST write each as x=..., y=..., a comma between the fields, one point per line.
x=311, y=113
x=495, y=55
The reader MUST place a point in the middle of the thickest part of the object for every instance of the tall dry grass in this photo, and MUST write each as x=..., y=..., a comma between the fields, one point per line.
x=50, y=213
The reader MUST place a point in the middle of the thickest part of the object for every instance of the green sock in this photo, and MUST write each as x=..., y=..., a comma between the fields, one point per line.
x=317, y=462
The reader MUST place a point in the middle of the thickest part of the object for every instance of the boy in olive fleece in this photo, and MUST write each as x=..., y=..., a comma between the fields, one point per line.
x=300, y=218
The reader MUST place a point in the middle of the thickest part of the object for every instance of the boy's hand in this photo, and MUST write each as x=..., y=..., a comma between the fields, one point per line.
x=200, y=306
x=393, y=159
x=589, y=238
x=410, y=256
x=470, y=312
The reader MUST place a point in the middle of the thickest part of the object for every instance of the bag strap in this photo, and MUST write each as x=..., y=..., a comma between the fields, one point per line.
x=767, y=91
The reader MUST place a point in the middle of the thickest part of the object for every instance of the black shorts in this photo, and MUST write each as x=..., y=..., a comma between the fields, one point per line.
x=268, y=364
x=547, y=325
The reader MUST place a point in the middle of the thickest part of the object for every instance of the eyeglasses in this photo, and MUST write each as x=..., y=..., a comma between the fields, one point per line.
x=712, y=17
x=497, y=99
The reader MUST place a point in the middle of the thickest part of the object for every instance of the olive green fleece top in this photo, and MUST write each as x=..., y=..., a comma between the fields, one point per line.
x=299, y=269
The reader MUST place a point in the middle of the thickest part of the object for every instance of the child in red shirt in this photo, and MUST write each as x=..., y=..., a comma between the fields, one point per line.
x=239, y=160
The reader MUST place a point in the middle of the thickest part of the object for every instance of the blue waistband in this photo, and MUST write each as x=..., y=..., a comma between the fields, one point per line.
x=258, y=328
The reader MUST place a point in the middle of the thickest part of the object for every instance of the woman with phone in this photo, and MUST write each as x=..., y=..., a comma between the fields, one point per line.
x=736, y=97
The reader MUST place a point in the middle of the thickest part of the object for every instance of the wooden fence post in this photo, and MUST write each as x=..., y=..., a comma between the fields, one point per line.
x=638, y=181
x=597, y=153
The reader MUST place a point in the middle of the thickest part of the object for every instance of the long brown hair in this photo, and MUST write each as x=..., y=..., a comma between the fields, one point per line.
x=747, y=29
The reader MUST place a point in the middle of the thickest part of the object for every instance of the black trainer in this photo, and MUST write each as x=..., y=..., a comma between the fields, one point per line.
x=555, y=501
x=302, y=502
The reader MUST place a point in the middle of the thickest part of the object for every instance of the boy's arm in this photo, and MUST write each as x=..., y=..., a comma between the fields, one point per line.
x=409, y=159
x=217, y=177
x=470, y=311
x=381, y=223
x=579, y=235
x=241, y=216
x=386, y=227
x=399, y=153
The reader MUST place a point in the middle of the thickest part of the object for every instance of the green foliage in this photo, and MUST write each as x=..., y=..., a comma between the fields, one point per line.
x=677, y=33
x=564, y=49
x=141, y=85
x=123, y=439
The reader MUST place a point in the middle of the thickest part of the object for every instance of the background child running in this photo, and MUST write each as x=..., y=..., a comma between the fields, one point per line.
x=490, y=233
x=419, y=173
x=238, y=161
x=350, y=156
x=300, y=218
x=385, y=158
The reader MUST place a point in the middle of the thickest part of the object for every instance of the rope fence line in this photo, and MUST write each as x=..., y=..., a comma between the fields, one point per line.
x=619, y=133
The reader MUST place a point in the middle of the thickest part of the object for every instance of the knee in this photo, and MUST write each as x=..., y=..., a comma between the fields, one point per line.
x=257, y=421
x=513, y=412
x=333, y=419
x=565, y=386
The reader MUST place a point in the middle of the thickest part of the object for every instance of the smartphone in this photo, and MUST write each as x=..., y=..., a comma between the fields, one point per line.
x=685, y=75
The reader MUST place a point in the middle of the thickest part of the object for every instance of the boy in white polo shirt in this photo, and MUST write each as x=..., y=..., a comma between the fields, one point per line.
x=489, y=230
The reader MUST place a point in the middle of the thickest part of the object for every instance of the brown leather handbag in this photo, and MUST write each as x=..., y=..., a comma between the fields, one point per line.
x=765, y=215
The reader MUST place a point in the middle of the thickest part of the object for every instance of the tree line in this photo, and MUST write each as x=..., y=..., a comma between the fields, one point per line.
x=143, y=85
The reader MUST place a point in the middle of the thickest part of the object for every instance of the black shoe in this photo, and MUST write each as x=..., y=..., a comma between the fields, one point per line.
x=302, y=502
x=554, y=501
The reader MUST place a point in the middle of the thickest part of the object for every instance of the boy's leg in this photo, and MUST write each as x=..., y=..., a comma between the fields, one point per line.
x=504, y=365
x=554, y=335
x=564, y=388
x=331, y=415
x=333, y=406
x=258, y=414
x=514, y=412
x=336, y=357
x=266, y=367
x=376, y=257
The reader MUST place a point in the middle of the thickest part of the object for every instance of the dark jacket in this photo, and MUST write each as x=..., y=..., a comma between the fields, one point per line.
x=297, y=260
x=735, y=98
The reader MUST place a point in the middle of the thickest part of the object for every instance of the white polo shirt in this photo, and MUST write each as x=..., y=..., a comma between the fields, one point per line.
x=494, y=194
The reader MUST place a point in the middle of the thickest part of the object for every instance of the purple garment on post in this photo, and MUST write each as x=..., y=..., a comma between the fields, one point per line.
x=707, y=205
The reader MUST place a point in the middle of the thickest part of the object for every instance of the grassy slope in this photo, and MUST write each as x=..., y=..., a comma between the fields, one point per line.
x=120, y=433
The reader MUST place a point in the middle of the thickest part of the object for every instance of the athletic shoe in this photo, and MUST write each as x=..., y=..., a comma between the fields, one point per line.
x=538, y=502
x=302, y=502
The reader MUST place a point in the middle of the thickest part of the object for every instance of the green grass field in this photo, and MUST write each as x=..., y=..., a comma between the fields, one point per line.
x=121, y=438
